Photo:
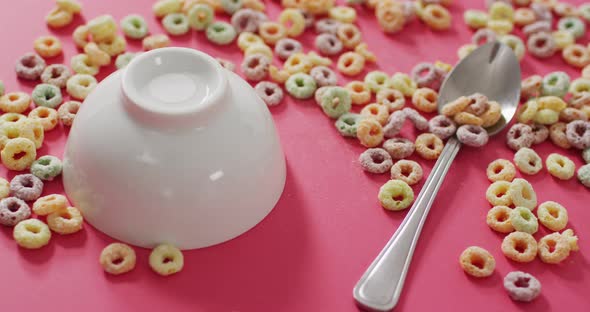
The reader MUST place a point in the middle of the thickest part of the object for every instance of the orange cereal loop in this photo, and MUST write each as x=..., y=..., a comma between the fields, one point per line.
x=465, y=118
x=351, y=63
x=519, y=247
x=492, y=115
x=376, y=111
x=477, y=262
x=576, y=55
x=271, y=32
x=498, y=219
x=15, y=102
x=501, y=170
x=497, y=194
x=117, y=258
x=58, y=18
x=428, y=146
x=453, y=108
x=369, y=132
x=350, y=35
x=359, y=92
x=49, y=204
x=553, y=248
x=436, y=17
x=18, y=154
x=46, y=115
x=391, y=18
x=363, y=50
x=425, y=99
x=65, y=221
x=47, y=46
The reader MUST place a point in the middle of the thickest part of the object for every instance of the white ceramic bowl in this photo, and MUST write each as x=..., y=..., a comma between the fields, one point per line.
x=173, y=149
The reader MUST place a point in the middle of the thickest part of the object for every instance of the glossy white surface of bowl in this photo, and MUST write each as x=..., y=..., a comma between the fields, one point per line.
x=173, y=149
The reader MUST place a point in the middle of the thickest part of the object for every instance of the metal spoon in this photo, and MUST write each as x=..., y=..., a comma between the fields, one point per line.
x=493, y=70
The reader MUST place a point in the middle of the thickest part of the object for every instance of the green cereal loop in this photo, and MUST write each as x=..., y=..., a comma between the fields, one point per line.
x=134, y=26
x=175, y=24
x=376, y=80
x=580, y=85
x=475, y=18
x=403, y=83
x=124, y=59
x=584, y=11
x=200, y=16
x=1, y=88
x=514, y=43
x=347, y=124
x=556, y=84
x=231, y=6
x=391, y=191
x=46, y=95
x=584, y=175
x=574, y=25
x=333, y=108
x=586, y=155
x=46, y=167
x=221, y=33
x=523, y=220
x=301, y=86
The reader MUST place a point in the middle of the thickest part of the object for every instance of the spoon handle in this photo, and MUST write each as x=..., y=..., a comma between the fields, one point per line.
x=380, y=287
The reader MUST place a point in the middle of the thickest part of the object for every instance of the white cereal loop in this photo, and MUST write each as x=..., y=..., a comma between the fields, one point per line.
x=528, y=161
x=522, y=194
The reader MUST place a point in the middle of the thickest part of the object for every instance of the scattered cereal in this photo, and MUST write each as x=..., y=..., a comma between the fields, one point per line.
x=519, y=247
x=166, y=260
x=50, y=204
x=408, y=171
x=31, y=234
x=498, y=219
x=26, y=187
x=501, y=170
x=375, y=160
x=396, y=195
x=522, y=286
x=66, y=221
x=477, y=262
x=117, y=258
x=528, y=161
x=13, y=210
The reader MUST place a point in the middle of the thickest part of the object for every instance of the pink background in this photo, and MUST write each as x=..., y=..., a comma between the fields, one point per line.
x=328, y=226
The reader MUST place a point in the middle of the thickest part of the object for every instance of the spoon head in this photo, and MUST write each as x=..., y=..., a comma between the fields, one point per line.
x=492, y=70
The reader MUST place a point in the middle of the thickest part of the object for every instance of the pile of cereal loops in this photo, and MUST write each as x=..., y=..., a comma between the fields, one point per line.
x=555, y=107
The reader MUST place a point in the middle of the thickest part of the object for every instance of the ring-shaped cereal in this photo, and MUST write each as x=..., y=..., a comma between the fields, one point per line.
x=428, y=146
x=255, y=67
x=297, y=63
x=49, y=204
x=523, y=220
x=326, y=25
x=293, y=21
x=328, y=44
x=501, y=11
x=246, y=39
x=56, y=74
x=134, y=26
x=376, y=80
x=408, y=171
x=58, y=18
x=47, y=46
x=557, y=134
x=13, y=210
x=363, y=50
x=46, y=115
x=65, y=221
x=271, y=32
x=472, y=135
x=418, y=120
x=522, y=286
x=522, y=194
x=501, y=170
x=498, y=219
x=436, y=17
x=359, y=92
x=343, y=14
x=30, y=66
x=514, y=43
x=391, y=98
x=399, y=148
x=336, y=102
x=200, y=16
x=560, y=166
x=67, y=112
x=270, y=92
x=155, y=42
x=301, y=86
x=477, y=262
x=394, y=123
x=578, y=134
x=349, y=35
x=541, y=44
x=497, y=194
x=15, y=102
x=562, y=39
x=403, y=83
x=81, y=65
x=396, y=195
x=31, y=234
x=18, y=154
x=492, y=115
x=166, y=260
x=465, y=118
x=350, y=63
x=553, y=248
x=528, y=161
x=570, y=114
x=546, y=116
x=369, y=132
x=347, y=124
x=324, y=76
x=531, y=87
x=96, y=56
x=391, y=18
x=375, y=160
x=46, y=167
x=80, y=85
x=117, y=258
x=519, y=247
x=501, y=27
x=47, y=95
x=425, y=100
x=552, y=215
x=376, y=111
x=555, y=86
x=576, y=55
x=27, y=187
x=527, y=111
x=114, y=46
x=81, y=36
x=524, y=16
x=456, y=106
x=520, y=135
x=442, y=126
x=475, y=19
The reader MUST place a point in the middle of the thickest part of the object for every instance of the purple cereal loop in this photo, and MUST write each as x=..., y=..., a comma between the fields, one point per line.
x=579, y=100
x=247, y=20
x=56, y=74
x=418, y=120
x=26, y=187
x=540, y=133
x=394, y=124
x=478, y=104
x=522, y=286
x=286, y=47
x=578, y=134
x=541, y=44
x=30, y=66
x=324, y=76
x=483, y=36
x=423, y=74
x=520, y=135
x=542, y=12
x=270, y=92
x=472, y=135
x=540, y=26
x=327, y=25
x=442, y=126
x=255, y=66
x=399, y=148
x=13, y=210
x=328, y=44
x=375, y=160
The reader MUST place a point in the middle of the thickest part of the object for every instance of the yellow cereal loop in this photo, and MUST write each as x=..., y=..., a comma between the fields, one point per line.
x=501, y=11
x=114, y=46
x=164, y=7
x=246, y=39
x=521, y=194
x=278, y=75
x=318, y=60
x=560, y=166
x=71, y=6
x=396, y=195
x=552, y=215
x=501, y=27
x=546, y=116
x=350, y=35
x=363, y=50
x=343, y=14
x=46, y=116
x=293, y=21
x=492, y=115
x=527, y=111
x=31, y=234
x=49, y=204
x=359, y=92
x=4, y=188
x=166, y=260
x=96, y=56
x=256, y=5
x=65, y=221
x=444, y=66
x=315, y=7
x=81, y=35
x=102, y=28
x=403, y=83
x=259, y=48
x=497, y=194
x=563, y=38
x=36, y=127
x=15, y=102
x=436, y=17
x=10, y=131
x=18, y=154
x=551, y=102
x=297, y=63
x=117, y=258
x=271, y=32
x=58, y=18
x=81, y=64
x=350, y=63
